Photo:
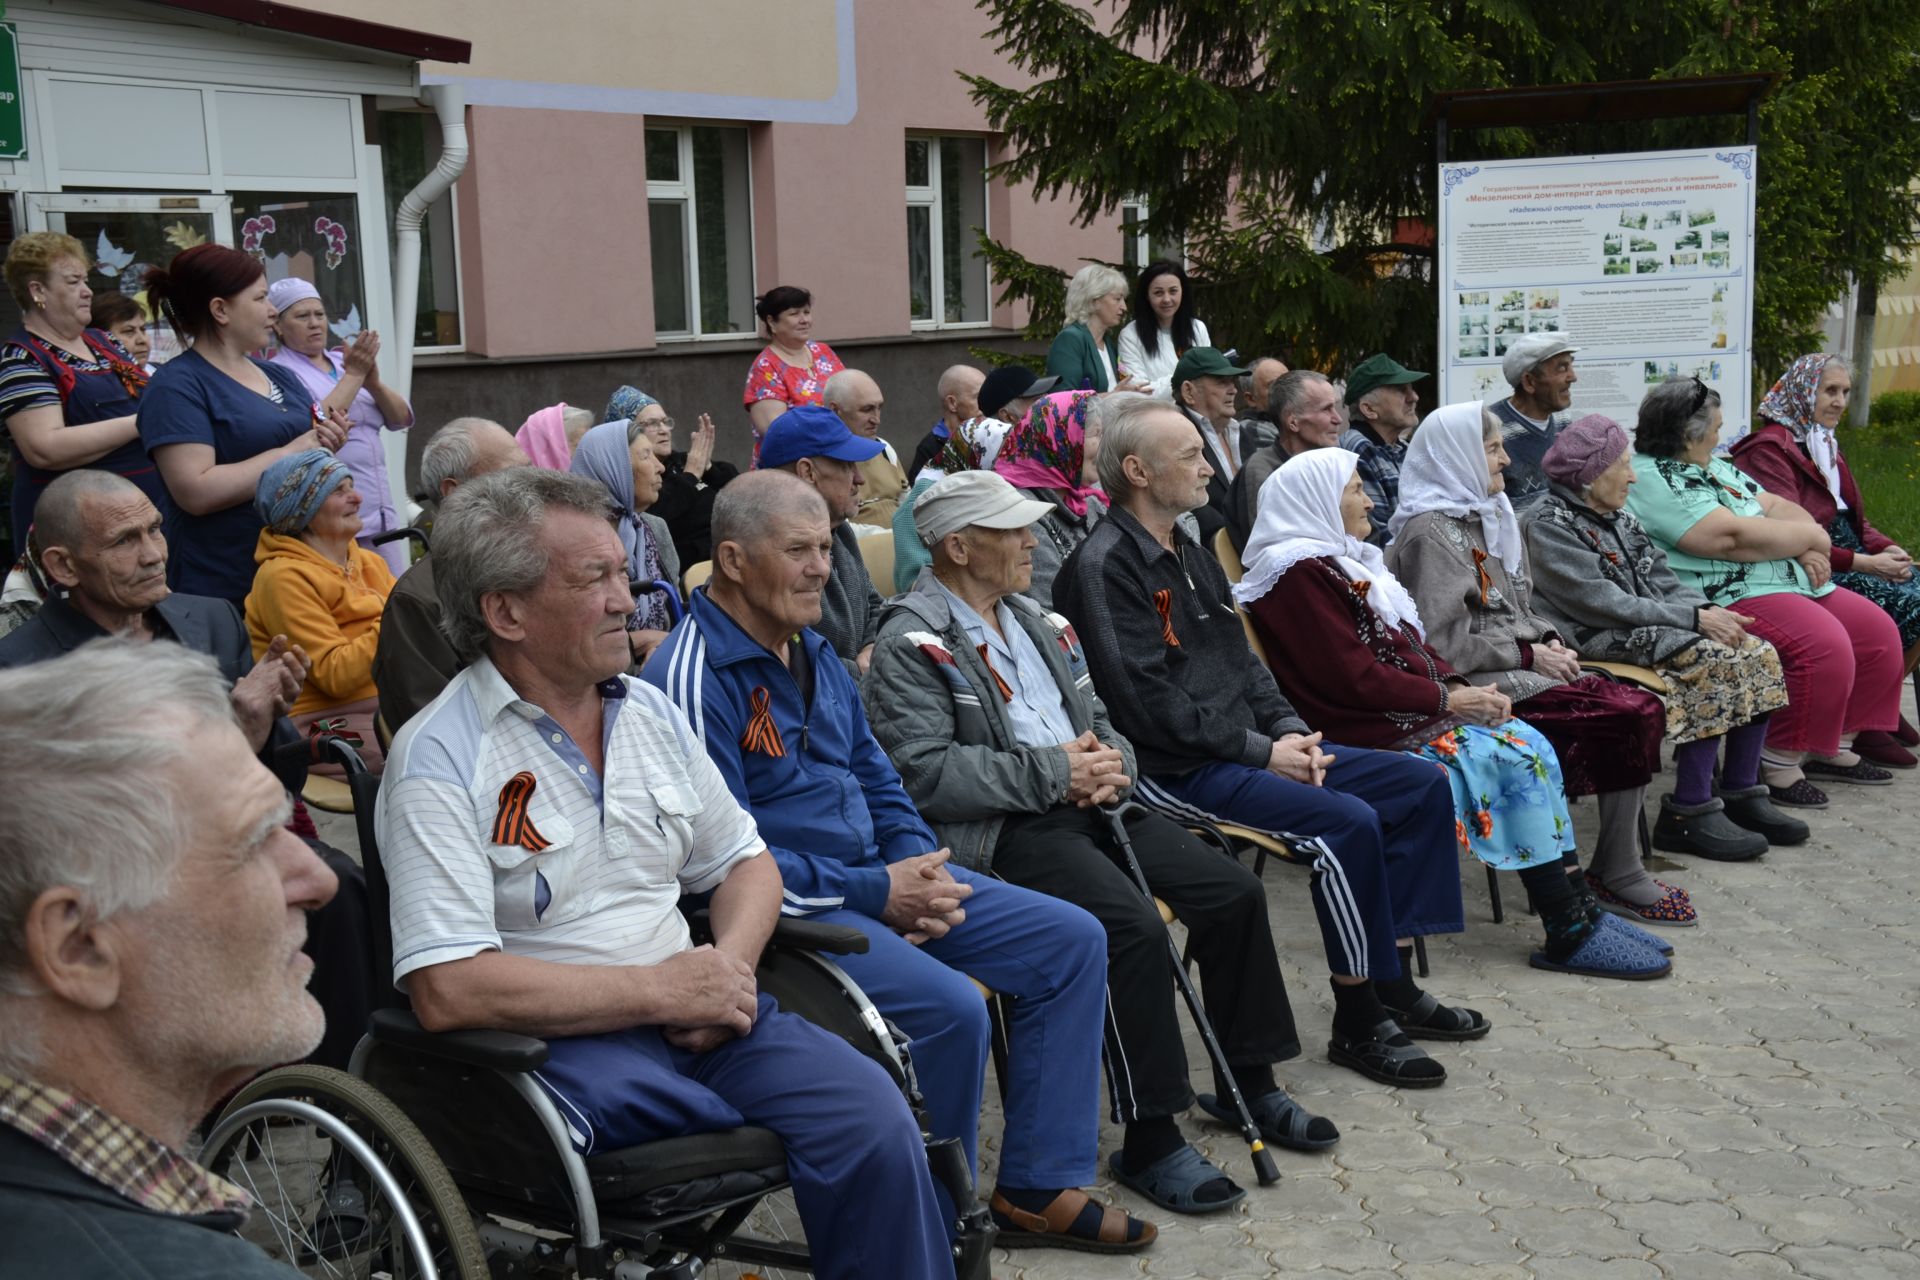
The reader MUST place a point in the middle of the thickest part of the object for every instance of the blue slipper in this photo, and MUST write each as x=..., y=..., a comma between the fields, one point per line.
x=1172, y=1181
x=1621, y=926
x=1280, y=1119
x=1609, y=954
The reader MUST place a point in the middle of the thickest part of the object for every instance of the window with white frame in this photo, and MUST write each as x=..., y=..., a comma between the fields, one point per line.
x=1137, y=248
x=700, y=227
x=946, y=208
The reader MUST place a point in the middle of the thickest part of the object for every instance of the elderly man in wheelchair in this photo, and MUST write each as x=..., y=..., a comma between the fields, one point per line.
x=539, y=825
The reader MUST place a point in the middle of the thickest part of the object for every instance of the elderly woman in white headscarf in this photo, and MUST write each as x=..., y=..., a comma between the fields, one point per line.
x=1347, y=646
x=621, y=457
x=1457, y=546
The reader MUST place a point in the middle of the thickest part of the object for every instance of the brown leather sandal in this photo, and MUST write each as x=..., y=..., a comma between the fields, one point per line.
x=1053, y=1229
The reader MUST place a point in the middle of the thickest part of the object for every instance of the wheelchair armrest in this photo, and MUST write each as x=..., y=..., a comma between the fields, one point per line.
x=810, y=935
x=795, y=933
x=499, y=1050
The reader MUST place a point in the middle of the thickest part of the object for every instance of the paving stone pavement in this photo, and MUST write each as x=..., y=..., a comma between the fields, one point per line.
x=1754, y=1115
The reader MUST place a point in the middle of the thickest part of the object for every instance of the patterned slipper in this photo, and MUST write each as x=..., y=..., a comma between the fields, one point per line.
x=1801, y=795
x=1673, y=909
x=1860, y=775
x=1608, y=923
x=1606, y=954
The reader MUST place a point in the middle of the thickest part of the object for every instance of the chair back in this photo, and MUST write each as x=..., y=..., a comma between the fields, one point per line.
x=877, y=551
x=1230, y=561
x=698, y=575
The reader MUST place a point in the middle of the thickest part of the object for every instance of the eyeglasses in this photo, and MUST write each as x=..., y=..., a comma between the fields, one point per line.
x=659, y=424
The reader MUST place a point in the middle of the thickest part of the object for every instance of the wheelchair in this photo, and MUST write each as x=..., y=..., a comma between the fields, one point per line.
x=437, y=1154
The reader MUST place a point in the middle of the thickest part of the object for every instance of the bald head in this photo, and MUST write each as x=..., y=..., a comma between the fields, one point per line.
x=60, y=517
x=857, y=399
x=959, y=393
x=752, y=508
x=466, y=449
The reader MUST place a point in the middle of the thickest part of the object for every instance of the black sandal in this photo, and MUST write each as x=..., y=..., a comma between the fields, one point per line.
x=1428, y=1019
x=1404, y=1065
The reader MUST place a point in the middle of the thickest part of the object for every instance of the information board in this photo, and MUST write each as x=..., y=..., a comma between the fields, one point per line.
x=1644, y=261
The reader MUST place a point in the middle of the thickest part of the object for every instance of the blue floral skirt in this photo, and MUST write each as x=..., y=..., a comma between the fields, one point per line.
x=1509, y=803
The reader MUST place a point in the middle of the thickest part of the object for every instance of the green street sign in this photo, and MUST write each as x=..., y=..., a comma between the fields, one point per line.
x=13, y=110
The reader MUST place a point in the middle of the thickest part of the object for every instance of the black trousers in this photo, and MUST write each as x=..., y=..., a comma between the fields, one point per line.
x=340, y=943
x=1070, y=853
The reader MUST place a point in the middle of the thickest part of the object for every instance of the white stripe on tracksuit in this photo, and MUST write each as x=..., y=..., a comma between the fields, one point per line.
x=1348, y=923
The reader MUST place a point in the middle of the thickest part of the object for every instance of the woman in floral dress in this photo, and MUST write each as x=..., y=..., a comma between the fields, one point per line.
x=1347, y=647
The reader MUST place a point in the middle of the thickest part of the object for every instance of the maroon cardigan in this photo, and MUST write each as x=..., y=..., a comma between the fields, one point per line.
x=1773, y=457
x=1346, y=672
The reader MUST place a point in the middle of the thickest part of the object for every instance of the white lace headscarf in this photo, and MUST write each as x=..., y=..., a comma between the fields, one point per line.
x=1446, y=470
x=1300, y=520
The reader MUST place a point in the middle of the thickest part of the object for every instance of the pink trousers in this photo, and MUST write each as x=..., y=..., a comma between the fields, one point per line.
x=1843, y=662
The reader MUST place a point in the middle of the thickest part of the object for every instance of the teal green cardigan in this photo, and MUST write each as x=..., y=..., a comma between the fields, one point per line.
x=1073, y=359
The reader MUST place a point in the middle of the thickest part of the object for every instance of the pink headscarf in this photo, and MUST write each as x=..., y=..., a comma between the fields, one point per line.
x=1047, y=448
x=544, y=437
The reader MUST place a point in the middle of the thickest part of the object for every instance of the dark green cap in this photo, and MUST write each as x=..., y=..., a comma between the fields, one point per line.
x=1202, y=362
x=1378, y=371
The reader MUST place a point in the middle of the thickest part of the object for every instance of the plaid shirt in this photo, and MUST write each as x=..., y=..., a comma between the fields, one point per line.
x=1379, y=474
x=114, y=1153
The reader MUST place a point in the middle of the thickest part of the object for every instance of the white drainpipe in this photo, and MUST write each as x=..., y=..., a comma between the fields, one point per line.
x=449, y=103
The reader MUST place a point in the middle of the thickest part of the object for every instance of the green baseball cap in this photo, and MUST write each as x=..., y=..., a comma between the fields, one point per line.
x=1378, y=371
x=1203, y=362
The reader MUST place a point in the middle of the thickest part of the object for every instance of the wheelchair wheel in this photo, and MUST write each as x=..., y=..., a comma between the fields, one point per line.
x=344, y=1185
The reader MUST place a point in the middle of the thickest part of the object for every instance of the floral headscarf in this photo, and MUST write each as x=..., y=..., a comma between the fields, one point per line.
x=973, y=446
x=1048, y=448
x=626, y=404
x=1790, y=403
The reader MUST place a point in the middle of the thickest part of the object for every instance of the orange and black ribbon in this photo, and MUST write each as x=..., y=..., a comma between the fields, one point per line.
x=763, y=735
x=513, y=824
x=1480, y=569
x=1006, y=690
x=1163, y=601
x=337, y=728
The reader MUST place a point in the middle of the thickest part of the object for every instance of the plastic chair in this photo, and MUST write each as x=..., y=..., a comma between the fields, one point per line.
x=877, y=551
x=698, y=575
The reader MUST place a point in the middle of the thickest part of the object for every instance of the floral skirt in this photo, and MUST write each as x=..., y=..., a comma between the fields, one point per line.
x=1509, y=803
x=1711, y=688
x=1901, y=600
x=1606, y=735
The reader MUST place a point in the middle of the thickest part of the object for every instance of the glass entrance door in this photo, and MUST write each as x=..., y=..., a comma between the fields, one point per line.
x=126, y=234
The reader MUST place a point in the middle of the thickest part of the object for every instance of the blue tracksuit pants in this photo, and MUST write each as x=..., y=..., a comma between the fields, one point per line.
x=854, y=1153
x=1051, y=957
x=1380, y=833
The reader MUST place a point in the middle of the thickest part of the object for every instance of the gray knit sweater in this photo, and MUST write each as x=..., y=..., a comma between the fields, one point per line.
x=1604, y=584
x=1485, y=632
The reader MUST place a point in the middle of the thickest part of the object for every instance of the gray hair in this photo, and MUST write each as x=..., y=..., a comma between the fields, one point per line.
x=1100, y=410
x=1090, y=284
x=487, y=539
x=451, y=455
x=1125, y=432
x=92, y=756
x=57, y=517
x=1288, y=394
x=746, y=510
x=839, y=388
x=1670, y=422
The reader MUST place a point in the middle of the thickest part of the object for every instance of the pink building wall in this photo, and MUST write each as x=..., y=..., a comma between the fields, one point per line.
x=553, y=205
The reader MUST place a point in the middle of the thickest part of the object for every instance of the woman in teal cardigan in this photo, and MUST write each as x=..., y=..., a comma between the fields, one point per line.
x=1086, y=355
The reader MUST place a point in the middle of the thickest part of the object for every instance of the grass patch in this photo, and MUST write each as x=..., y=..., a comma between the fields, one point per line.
x=1888, y=472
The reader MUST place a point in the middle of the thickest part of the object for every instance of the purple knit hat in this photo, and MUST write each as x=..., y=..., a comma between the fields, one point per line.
x=1585, y=448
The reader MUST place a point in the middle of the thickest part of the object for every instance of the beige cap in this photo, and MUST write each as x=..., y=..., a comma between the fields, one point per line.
x=973, y=497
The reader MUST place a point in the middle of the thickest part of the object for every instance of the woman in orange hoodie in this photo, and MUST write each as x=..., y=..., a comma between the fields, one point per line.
x=321, y=590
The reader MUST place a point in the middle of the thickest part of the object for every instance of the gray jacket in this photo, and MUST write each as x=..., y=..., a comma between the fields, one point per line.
x=936, y=711
x=1057, y=535
x=1604, y=585
x=1486, y=633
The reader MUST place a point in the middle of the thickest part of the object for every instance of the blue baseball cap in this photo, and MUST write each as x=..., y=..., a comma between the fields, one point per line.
x=813, y=431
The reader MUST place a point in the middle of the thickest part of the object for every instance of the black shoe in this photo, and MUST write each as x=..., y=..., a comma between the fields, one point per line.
x=1704, y=830
x=1752, y=808
x=1801, y=795
x=1860, y=775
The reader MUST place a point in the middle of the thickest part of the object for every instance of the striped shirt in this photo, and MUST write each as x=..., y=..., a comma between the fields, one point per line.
x=497, y=834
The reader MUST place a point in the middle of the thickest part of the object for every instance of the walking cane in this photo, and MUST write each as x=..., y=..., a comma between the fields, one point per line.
x=1263, y=1166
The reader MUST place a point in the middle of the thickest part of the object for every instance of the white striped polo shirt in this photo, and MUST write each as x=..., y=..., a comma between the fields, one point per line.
x=582, y=868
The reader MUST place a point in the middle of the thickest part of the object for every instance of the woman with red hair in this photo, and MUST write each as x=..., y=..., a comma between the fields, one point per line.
x=214, y=418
